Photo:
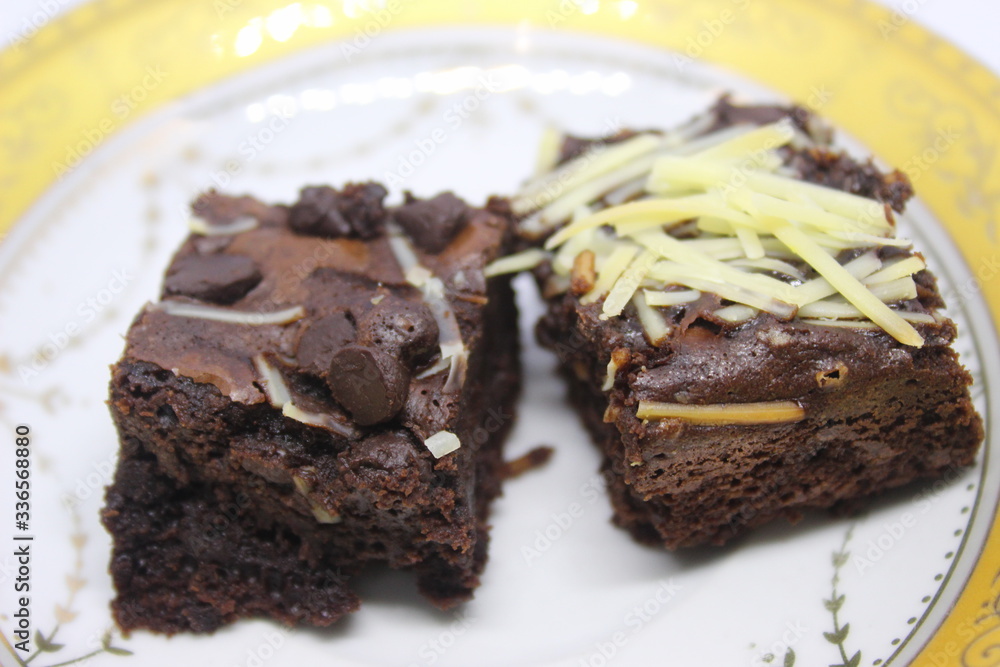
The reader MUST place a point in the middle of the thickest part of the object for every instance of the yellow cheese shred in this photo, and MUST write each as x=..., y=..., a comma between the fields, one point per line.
x=610, y=271
x=627, y=284
x=721, y=414
x=849, y=286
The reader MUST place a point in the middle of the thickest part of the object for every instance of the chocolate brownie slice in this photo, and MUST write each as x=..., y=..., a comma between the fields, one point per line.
x=741, y=329
x=322, y=386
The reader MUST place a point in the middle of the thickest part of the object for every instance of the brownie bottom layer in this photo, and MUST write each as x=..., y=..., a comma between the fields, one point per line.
x=713, y=490
x=192, y=558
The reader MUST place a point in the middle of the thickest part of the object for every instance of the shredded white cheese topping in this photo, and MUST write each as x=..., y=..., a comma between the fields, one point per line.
x=454, y=354
x=717, y=215
x=274, y=384
x=322, y=514
x=521, y=261
x=242, y=224
x=280, y=396
x=609, y=378
x=292, y=411
x=198, y=311
x=442, y=443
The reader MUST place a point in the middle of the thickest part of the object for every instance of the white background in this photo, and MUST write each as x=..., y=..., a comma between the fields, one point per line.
x=969, y=23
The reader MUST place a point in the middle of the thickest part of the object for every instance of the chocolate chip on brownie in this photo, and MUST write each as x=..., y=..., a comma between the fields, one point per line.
x=371, y=384
x=356, y=210
x=221, y=279
x=401, y=328
x=321, y=340
x=432, y=223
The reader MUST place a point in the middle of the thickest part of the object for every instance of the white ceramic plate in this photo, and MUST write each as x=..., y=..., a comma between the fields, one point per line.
x=428, y=110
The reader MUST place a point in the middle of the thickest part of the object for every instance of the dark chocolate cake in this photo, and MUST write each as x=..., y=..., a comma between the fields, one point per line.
x=741, y=329
x=322, y=387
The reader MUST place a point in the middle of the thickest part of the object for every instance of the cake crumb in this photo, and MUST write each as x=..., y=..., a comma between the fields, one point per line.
x=775, y=337
x=583, y=276
x=535, y=458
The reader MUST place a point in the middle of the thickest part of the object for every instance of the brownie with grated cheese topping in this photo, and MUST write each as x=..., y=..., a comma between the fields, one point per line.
x=721, y=396
x=322, y=387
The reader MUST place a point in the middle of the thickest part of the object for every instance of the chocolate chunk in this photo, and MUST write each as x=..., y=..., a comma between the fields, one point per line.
x=361, y=204
x=355, y=211
x=573, y=146
x=316, y=213
x=499, y=206
x=432, y=223
x=321, y=340
x=222, y=279
x=401, y=328
x=840, y=171
x=728, y=114
x=371, y=384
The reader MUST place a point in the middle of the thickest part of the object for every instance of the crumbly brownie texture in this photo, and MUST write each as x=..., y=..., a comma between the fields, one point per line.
x=832, y=407
x=267, y=460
